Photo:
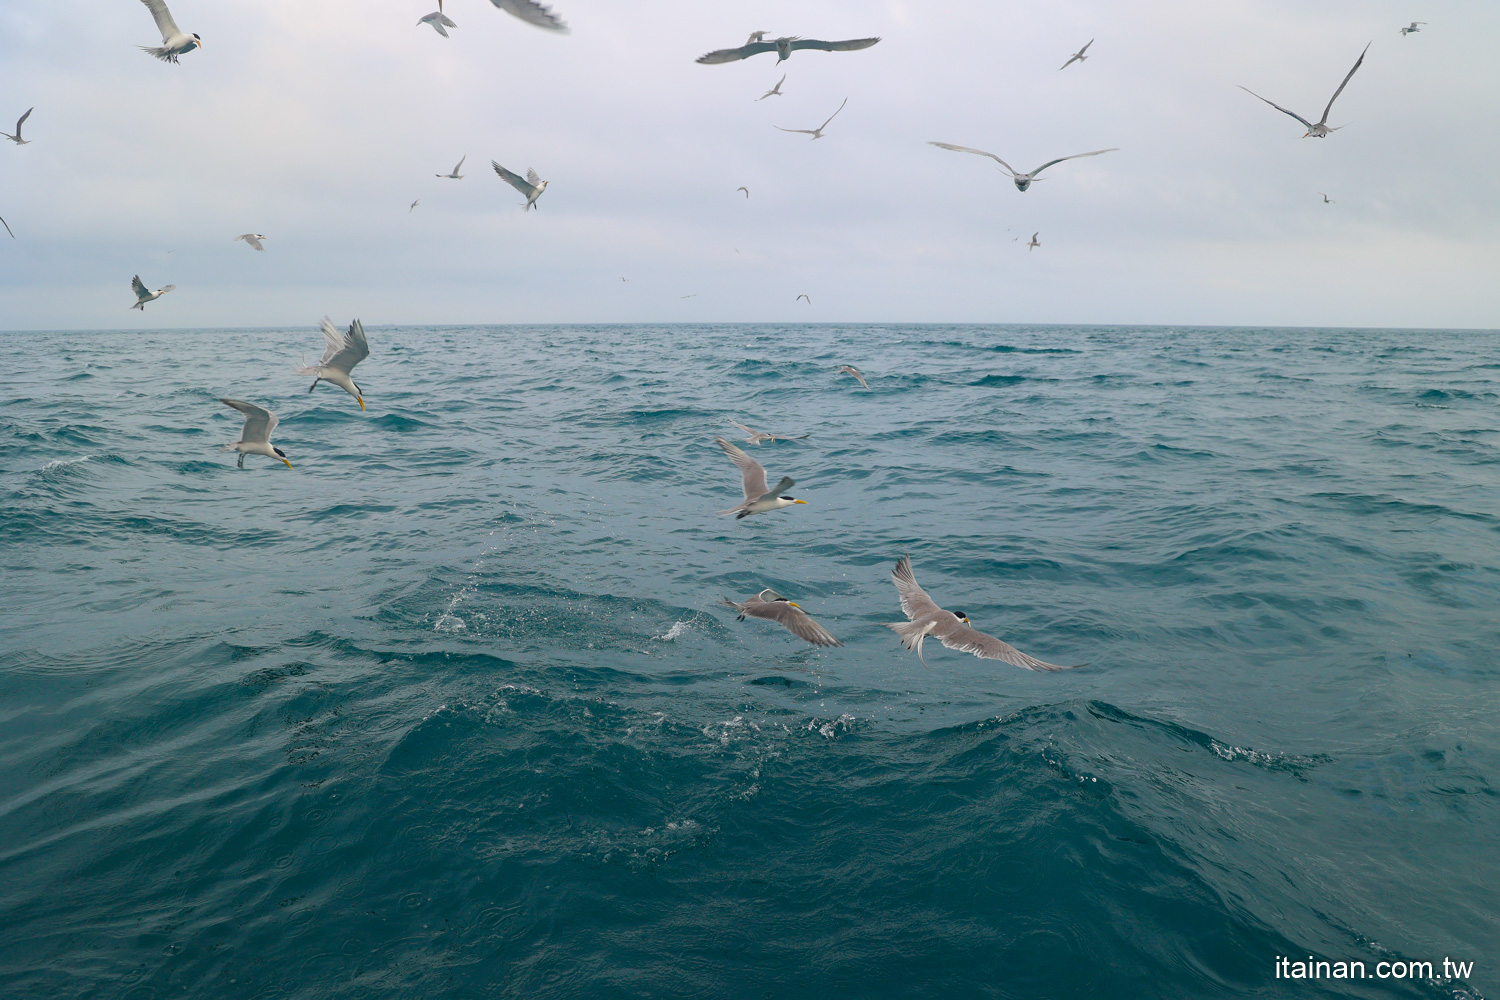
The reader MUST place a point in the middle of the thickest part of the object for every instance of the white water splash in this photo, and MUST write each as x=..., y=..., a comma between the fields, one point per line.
x=677, y=629
x=58, y=463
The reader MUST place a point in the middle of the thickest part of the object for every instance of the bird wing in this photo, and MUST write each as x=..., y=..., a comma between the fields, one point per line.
x=914, y=600
x=833, y=116
x=532, y=13
x=845, y=46
x=747, y=430
x=1086, y=47
x=966, y=639
x=1336, y=93
x=344, y=350
x=164, y=289
x=531, y=176
x=731, y=55
x=139, y=287
x=7, y=228
x=1044, y=166
x=805, y=131
x=445, y=19
x=1280, y=108
x=851, y=370
x=20, y=121
x=753, y=472
x=432, y=19
x=164, y=22
x=794, y=620
x=460, y=163
x=515, y=180
x=1071, y=60
x=259, y=421
x=980, y=152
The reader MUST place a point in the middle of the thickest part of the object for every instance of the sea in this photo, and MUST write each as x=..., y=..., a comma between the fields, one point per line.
x=451, y=709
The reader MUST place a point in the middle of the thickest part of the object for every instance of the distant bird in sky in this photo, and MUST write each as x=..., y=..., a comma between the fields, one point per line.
x=413, y=205
x=440, y=22
x=758, y=498
x=1023, y=181
x=774, y=91
x=772, y=607
x=144, y=295
x=1322, y=128
x=692, y=295
x=816, y=133
x=1077, y=56
x=744, y=189
x=1327, y=200
x=1411, y=28
x=255, y=436
x=530, y=12
x=756, y=437
x=174, y=41
x=17, y=137
x=951, y=628
x=1033, y=244
x=851, y=370
x=7, y=228
x=531, y=185
x=341, y=352
x=253, y=239
x=455, y=176
x=804, y=295
x=783, y=47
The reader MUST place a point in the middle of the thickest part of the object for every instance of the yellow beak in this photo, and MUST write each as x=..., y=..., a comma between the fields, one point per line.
x=288, y=464
x=361, y=401
x=799, y=501
x=795, y=605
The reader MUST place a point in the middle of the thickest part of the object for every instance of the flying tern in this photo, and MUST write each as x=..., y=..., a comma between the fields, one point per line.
x=756, y=437
x=804, y=295
x=783, y=47
x=413, y=205
x=144, y=295
x=772, y=607
x=1322, y=128
x=758, y=498
x=253, y=239
x=1033, y=244
x=174, y=41
x=440, y=22
x=851, y=370
x=17, y=137
x=951, y=628
x=531, y=12
x=774, y=91
x=816, y=133
x=531, y=185
x=341, y=352
x=255, y=436
x=1411, y=28
x=1023, y=181
x=744, y=189
x=1077, y=56
x=455, y=176
x=1327, y=200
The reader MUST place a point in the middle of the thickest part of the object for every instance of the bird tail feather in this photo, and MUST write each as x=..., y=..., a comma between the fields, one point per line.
x=161, y=52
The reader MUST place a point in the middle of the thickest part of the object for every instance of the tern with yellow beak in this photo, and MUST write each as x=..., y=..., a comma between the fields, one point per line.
x=774, y=608
x=758, y=498
x=341, y=352
x=255, y=437
x=174, y=41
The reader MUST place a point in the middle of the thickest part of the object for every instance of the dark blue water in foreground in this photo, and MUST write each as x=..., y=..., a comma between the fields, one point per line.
x=448, y=710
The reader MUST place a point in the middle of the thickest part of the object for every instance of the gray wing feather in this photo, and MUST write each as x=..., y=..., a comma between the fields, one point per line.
x=1044, y=166
x=139, y=287
x=787, y=482
x=1278, y=107
x=979, y=152
x=1336, y=93
x=164, y=22
x=914, y=600
x=731, y=55
x=7, y=228
x=22, y=120
x=965, y=639
x=344, y=350
x=533, y=178
x=845, y=46
x=753, y=473
x=515, y=180
x=259, y=421
x=532, y=13
x=794, y=620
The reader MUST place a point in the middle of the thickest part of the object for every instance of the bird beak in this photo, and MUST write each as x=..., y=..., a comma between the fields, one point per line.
x=795, y=605
x=799, y=501
x=361, y=402
x=288, y=464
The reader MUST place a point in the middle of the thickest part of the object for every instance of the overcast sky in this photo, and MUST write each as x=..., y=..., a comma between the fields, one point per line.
x=317, y=122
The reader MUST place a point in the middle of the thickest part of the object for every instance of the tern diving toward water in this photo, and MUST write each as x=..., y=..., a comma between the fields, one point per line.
x=17, y=137
x=1077, y=56
x=1322, y=128
x=758, y=499
x=951, y=628
x=255, y=436
x=756, y=437
x=440, y=22
x=783, y=47
x=174, y=41
x=144, y=295
x=1023, y=181
x=774, y=608
x=816, y=133
x=851, y=370
x=455, y=176
x=531, y=185
x=341, y=352
x=253, y=239
x=773, y=92
x=1409, y=29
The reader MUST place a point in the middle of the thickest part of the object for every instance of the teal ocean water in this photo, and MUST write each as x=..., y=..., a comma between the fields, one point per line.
x=449, y=708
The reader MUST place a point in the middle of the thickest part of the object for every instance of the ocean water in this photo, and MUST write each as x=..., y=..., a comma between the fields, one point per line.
x=449, y=710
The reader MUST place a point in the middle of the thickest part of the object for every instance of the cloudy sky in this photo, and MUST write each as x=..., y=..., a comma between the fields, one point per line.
x=317, y=122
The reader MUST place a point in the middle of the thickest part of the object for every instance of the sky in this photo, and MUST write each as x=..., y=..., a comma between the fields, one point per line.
x=318, y=122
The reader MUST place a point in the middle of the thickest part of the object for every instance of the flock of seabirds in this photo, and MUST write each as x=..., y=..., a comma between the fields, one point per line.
x=344, y=350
